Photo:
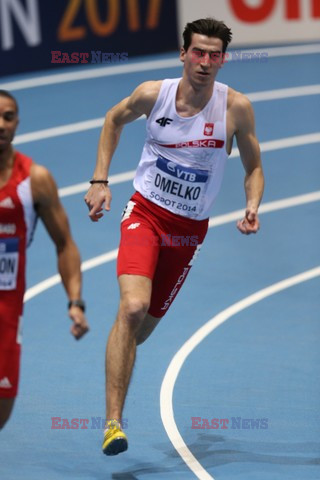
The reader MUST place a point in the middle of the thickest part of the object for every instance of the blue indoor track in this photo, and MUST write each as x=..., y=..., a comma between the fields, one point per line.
x=256, y=364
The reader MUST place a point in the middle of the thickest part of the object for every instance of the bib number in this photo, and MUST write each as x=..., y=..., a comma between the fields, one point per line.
x=9, y=261
x=177, y=187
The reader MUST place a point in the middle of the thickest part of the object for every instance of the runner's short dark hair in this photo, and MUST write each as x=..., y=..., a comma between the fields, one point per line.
x=209, y=27
x=5, y=93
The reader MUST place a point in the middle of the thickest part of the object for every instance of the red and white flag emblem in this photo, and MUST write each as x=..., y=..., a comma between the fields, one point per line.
x=208, y=129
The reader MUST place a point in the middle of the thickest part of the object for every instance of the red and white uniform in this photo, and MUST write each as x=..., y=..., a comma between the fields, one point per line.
x=183, y=159
x=177, y=181
x=17, y=223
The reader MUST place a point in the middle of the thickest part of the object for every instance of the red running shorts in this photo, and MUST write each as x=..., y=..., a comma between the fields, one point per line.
x=10, y=349
x=160, y=245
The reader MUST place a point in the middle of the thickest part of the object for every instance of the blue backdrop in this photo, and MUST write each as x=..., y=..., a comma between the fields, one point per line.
x=30, y=30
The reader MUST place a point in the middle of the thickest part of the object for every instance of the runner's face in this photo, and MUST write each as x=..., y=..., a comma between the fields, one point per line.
x=203, y=59
x=8, y=122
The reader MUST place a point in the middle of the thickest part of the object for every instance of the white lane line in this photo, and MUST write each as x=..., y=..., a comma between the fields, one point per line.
x=213, y=222
x=265, y=147
x=288, y=50
x=146, y=66
x=168, y=383
x=282, y=143
x=295, y=141
x=61, y=130
x=55, y=279
x=284, y=93
x=76, y=127
x=90, y=74
x=58, y=131
x=267, y=207
x=83, y=187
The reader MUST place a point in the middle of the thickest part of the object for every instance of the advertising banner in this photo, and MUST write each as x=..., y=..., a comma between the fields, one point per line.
x=258, y=22
x=82, y=31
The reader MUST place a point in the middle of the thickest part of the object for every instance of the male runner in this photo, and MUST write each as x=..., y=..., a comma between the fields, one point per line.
x=191, y=122
x=27, y=191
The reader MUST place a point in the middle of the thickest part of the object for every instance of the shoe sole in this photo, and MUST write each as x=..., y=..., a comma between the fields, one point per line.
x=117, y=445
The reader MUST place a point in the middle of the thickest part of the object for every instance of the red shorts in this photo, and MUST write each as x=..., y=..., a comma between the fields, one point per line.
x=10, y=349
x=160, y=245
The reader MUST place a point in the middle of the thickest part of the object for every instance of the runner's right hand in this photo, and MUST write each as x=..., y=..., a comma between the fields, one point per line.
x=98, y=198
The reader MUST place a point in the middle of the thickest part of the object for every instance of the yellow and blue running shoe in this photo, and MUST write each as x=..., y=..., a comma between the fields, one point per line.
x=115, y=441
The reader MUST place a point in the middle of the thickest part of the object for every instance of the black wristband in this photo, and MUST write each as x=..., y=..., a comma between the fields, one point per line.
x=77, y=303
x=99, y=181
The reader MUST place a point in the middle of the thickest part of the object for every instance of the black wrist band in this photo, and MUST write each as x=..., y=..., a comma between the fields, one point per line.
x=99, y=181
x=77, y=303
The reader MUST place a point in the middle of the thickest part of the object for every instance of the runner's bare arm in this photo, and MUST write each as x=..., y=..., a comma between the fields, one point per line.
x=250, y=155
x=140, y=102
x=52, y=214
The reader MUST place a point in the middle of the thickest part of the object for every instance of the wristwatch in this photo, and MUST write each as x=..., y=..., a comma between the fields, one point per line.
x=77, y=303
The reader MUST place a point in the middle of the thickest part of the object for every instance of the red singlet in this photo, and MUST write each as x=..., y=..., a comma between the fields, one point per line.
x=17, y=222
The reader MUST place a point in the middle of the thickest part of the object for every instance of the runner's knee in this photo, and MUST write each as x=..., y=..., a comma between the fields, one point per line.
x=134, y=310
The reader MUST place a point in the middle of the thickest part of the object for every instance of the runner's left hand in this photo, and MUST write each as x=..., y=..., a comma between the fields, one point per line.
x=250, y=223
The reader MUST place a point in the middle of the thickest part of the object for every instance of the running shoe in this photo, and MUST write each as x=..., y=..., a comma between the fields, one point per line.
x=115, y=441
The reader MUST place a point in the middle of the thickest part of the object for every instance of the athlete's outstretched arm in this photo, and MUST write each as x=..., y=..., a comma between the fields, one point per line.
x=52, y=213
x=139, y=103
x=250, y=155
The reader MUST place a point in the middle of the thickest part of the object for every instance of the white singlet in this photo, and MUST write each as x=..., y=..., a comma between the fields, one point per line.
x=183, y=159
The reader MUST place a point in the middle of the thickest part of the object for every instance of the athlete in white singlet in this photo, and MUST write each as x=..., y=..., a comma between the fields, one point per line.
x=191, y=123
x=183, y=159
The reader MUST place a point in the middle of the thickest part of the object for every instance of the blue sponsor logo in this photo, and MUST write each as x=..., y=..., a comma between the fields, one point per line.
x=9, y=245
x=180, y=172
